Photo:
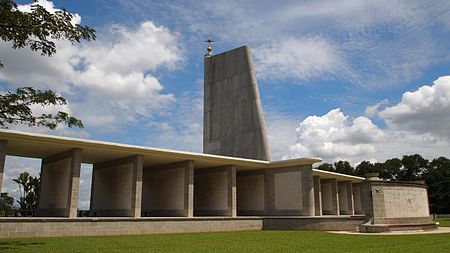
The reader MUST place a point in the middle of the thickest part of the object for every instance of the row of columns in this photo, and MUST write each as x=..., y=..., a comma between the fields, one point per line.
x=123, y=187
x=334, y=197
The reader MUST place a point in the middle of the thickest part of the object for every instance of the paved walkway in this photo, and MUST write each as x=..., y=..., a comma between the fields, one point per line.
x=440, y=230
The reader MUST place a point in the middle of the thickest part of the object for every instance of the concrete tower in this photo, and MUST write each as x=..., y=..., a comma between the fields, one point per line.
x=233, y=117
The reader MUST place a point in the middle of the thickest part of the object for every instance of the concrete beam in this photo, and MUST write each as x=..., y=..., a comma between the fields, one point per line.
x=60, y=180
x=330, y=197
x=117, y=187
x=317, y=196
x=3, y=144
x=168, y=190
x=215, y=192
x=346, y=205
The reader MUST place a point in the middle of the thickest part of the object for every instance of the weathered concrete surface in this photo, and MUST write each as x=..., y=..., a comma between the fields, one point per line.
x=346, y=205
x=117, y=187
x=250, y=192
x=330, y=197
x=290, y=191
x=167, y=190
x=2, y=160
x=357, y=198
x=215, y=192
x=395, y=206
x=233, y=117
x=60, y=179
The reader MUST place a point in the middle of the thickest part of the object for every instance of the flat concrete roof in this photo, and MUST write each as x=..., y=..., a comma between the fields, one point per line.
x=36, y=145
x=340, y=177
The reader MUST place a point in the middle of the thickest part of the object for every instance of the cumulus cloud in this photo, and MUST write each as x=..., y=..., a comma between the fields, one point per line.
x=117, y=78
x=418, y=124
x=373, y=110
x=333, y=135
x=426, y=110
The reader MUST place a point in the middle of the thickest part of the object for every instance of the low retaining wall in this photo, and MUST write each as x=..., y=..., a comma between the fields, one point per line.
x=50, y=227
x=332, y=223
x=381, y=225
x=34, y=227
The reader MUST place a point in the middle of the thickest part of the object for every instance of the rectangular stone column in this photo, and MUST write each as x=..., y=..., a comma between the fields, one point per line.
x=330, y=198
x=215, y=191
x=317, y=196
x=117, y=187
x=250, y=193
x=2, y=160
x=346, y=198
x=357, y=198
x=232, y=200
x=60, y=179
x=290, y=191
x=168, y=190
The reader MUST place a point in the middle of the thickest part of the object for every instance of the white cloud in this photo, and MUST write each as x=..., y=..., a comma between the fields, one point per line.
x=373, y=110
x=334, y=136
x=50, y=7
x=280, y=129
x=181, y=127
x=418, y=124
x=426, y=110
x=109, y=83
x=298, y=59
x=378, y=43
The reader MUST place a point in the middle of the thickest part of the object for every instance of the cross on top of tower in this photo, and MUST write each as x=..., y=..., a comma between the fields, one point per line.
x=209, y=49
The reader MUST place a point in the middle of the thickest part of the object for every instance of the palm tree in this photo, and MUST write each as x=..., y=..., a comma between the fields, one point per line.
x=29, y=188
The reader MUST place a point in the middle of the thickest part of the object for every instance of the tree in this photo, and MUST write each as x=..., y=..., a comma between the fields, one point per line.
x=437, y=177
x=6, y=202
x=413, y=167
x=363, y=168
x=37, y=30
x=29, y=188
x=390, y=169
x=344, y=167
x=326, y=167
x=15, y=109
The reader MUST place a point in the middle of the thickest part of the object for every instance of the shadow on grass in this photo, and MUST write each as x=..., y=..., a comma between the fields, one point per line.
x=18, y=245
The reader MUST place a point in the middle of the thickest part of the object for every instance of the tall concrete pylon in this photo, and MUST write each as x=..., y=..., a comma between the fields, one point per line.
x=233, y=117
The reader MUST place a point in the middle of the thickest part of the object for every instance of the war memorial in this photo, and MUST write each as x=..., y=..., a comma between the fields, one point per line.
x=233, y=185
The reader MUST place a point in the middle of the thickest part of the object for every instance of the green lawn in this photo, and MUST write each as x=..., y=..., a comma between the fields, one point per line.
x=444, y=222
x=254, y=241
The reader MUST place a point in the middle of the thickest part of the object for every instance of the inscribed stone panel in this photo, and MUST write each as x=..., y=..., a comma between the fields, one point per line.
x=288, y=190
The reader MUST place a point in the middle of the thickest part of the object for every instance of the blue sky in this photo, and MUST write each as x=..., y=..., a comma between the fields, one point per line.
x=354, y=80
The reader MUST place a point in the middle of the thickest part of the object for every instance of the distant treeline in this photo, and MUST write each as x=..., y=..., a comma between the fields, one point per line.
x=435, y=173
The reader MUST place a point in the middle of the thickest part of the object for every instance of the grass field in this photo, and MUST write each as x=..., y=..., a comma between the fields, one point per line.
x=254, y=241
x=444, y=222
